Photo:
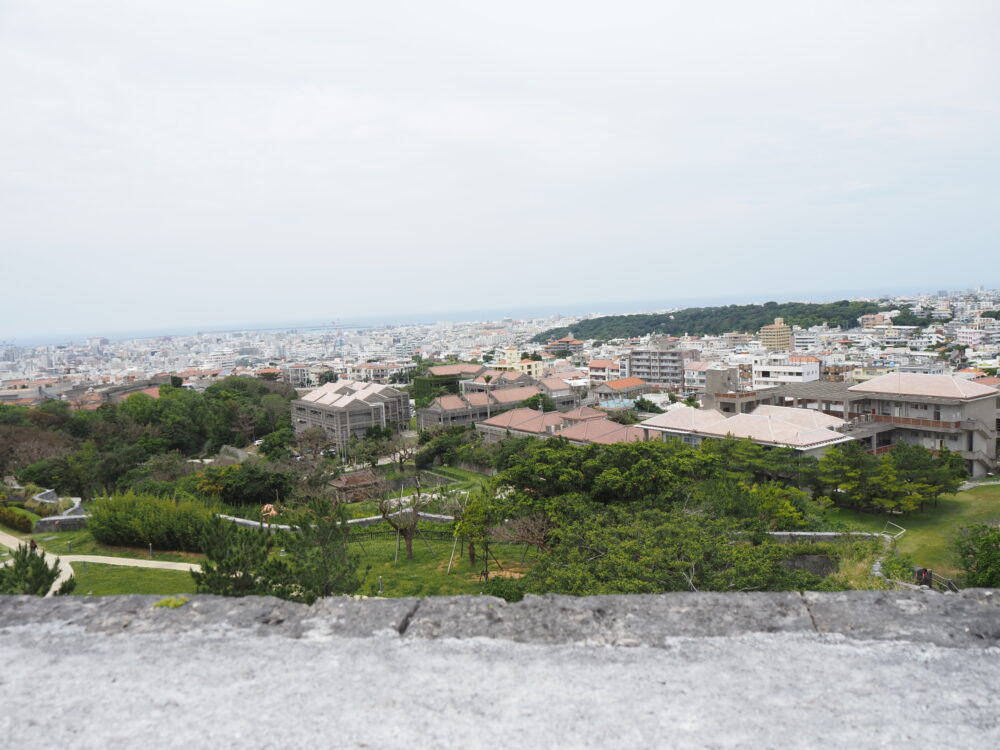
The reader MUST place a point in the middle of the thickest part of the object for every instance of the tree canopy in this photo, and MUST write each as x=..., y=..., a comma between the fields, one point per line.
x=715, y=320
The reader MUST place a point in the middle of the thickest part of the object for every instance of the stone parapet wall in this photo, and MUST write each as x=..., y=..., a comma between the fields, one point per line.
x=970, y=619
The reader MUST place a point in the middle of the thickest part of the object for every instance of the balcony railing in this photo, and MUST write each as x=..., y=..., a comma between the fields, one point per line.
x=915, y=422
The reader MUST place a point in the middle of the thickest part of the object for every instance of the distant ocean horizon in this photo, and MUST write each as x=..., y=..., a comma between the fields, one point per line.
x=520, y=312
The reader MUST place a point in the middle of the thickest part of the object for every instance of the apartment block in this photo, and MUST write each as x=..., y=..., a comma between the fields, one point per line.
x=348, y=408
x=935, y=411
x=776, y=369
x=777, y=336
x=660, y=363
x=603, y=370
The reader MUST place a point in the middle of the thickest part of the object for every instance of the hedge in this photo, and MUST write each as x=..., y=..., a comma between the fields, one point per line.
x=14, y=520
x=132, y=520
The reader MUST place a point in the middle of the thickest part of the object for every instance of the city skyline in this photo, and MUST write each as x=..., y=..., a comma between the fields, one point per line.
x=170, y=168
x=539, y=311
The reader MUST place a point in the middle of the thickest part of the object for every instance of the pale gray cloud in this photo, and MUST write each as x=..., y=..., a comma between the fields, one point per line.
x=207, y=162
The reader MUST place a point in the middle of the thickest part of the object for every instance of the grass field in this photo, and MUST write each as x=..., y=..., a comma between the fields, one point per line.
x=427, y=573
x=82, y=542
x=108, y=580
x=928, y=535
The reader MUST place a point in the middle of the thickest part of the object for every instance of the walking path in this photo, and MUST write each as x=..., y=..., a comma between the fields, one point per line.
x=66, y=561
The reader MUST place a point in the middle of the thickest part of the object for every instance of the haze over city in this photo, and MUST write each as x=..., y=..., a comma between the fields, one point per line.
x=211, y=164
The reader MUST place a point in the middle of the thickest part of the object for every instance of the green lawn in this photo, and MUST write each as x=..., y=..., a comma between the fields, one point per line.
x=82, y=542
x=427, y=573
x=108, y=580
x=928, y=535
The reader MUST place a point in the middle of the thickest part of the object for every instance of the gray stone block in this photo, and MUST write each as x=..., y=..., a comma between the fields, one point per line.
x=353, y=618
x=610, y=620
x=968, y=619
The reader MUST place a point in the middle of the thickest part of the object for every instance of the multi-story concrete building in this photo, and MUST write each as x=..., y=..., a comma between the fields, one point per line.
x=810, y=433
x=603, y=370
x=777, y=336
x=472, y=406
x=776, y=369
x=936, y=411
x=566, y=343
x=694, y=376
x=378, y=372
x=349, y=408
x=660, y=363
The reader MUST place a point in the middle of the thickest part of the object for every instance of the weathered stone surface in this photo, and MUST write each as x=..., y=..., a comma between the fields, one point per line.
x=353, y=618
x=234, y=689
x=970, y=618
x=610, y=620
x=138, y=614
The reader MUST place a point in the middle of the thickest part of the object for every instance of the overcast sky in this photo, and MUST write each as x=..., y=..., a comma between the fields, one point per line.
x=203, y=163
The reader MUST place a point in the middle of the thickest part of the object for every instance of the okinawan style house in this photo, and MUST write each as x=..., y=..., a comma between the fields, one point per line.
x=935, y=411
x=809, y=432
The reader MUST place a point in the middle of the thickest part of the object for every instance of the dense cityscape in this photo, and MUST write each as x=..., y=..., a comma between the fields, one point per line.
x=962, y=333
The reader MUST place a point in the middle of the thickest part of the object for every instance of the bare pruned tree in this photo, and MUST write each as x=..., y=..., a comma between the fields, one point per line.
x=403, y=513
x=402, y=449
x=455, y=504
x=531, y=530
x=312, y=441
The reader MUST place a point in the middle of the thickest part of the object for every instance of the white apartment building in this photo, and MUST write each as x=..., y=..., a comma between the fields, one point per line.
x=694, y=376
x=769, y=370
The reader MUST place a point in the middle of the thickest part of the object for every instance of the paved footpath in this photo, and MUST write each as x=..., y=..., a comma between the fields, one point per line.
x=66, y=561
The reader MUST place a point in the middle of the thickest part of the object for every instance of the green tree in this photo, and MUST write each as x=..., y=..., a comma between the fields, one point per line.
x=539, y=399
x=978, y=550
x=318, y=561
x=29, y=574
x=850, y=471
x=83, y=468
x=244, y=484
x=480, y=515
x=236, y=561
x=645, y=405
x=625, y=551
x=275, y=445
x=927, y=475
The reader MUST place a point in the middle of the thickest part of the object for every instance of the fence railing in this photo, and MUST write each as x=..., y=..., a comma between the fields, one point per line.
x=390, y=534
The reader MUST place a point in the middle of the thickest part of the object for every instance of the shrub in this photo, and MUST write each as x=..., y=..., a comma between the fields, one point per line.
x=509, y=589
x=46, y=509
x=978, y=549
x=14, y=520
x=898, y=568
x=29, y=573
x=131, y=520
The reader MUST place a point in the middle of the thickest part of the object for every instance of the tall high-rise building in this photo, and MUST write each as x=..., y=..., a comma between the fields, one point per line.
x=776, y=337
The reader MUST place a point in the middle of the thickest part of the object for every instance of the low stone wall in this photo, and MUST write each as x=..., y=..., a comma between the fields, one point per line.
x=970, y=619
x=46, y=496
x=353, y=522
x=61, y=523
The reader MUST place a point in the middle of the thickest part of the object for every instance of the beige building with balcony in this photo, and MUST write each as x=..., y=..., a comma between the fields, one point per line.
x=776, y=337
x=349, y=408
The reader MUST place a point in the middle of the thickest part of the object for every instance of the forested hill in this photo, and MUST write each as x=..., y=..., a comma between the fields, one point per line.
x=716, y=320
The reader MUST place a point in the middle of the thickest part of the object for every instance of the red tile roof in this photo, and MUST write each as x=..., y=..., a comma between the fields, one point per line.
x=624, y=383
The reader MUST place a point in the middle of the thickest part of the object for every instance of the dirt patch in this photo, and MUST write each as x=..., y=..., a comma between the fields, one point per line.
x=506, y=574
